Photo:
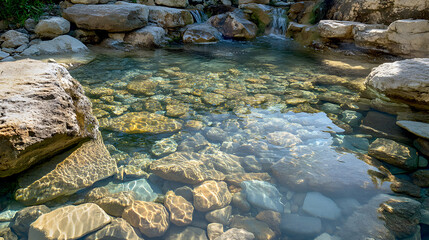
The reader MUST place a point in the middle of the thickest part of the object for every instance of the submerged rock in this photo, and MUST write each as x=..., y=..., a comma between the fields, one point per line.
x=26, y=216
x=320, y=206
x=260, y=229
x=394, y=153
x=236, y=234
x=222, y=215
x=211, y=195
x=108, y=17
x=180, y=209
x=193, y=233
x=117, y=229
x=143, y=122
x=262, y=194
x=418, y=128
x=85, y=218
x=297, y=225
x=60, y=44
x=52, y=115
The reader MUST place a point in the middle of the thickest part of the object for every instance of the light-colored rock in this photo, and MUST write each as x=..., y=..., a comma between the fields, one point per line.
x=152, y=219
x=116, y=203
x=260, y=229
x=214, y=230
x=302, y=33
x=54, y=116
x=321, y=206
x=263, y=195
x=201, y=33
x=394, y=153
x=85, y=1
x=236, y=234
x=76, y=169
x=26, y=216
x=409, y=37
x=142, y=188
x=117, y=229
x=108, y=17
x=30, y=24
x=211, y=195
x=149, y=36
x=180, y=209
x=173, y=3
x=234, y=25
x=58, y=45
x=80, y=220
x=418, y=128
x=52, y=27
x=3, y=55
x=336, y=29
x=164, y=146
x=13, y=39
x=272, y=218
x=169, y=17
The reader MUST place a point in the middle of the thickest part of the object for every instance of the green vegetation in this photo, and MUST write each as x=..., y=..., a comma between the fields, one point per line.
x=17, y=11
x=319, y=11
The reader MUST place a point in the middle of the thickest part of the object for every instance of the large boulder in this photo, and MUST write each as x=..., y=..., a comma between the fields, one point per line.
x=394, y=153
x=336, y=29
x=110, y=17
x=13, y=39
x=378, y=11
x=407, y=79
x=201, y=33
x=81, y=220
x=172, y=3
x=409, y=37
x=234, y=25
x=169, y=17
x=149, y=36
x=51, y=115
x=74, y=170
x=58, y=45
x=52, y=27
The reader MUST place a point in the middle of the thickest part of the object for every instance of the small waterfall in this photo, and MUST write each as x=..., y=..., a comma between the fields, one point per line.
x=279, y=23
x=199, y=15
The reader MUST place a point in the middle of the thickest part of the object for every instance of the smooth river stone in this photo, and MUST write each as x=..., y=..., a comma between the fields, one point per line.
x=295, y=224
x=74, y=170
x=211, y=195
x=70, y=222
x=191, y=233
x=180, y=209
x=260, y=229
x=152, y=219
x=236, y=233
x=143, y=122
x=184, y=167
x=418, y=128
x=26, y=216
x=394, y=153
x=263, y=195
x=116, y=230
x=143, y=189
x=318, y=205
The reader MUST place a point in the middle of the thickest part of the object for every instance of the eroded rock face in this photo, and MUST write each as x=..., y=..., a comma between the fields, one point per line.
x=51, y=115
x=184, y=167
x=211, y=195
x=74, y=170
x=150, y=36
x=70, y=222
x=144, y=122
x=201, y=33
x=336, y=29
x=233, y=25
x=152, y=219
x=169, y=17
x=180, y=209
x=52, y=27
x=60, y=44
x=109, y=17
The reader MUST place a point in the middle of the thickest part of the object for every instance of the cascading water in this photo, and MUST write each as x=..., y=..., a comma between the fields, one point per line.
x=199, y=15
x=279, y=23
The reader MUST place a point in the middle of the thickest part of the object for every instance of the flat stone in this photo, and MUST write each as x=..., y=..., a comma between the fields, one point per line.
x=383, y=125
x=152, y=219
x=214, y=230
x=260, y=229
x=394, y=153
x=50, y=118
x=169, y=17
x=26, y=216
x=145, y=87
x=272, y=218
x=3, y=55
x=336, y=29
x=81, y=220
x=142, y=188
x=321, y=206
x=418, y=128
x=116, y=203
x=295, y=224
x=263, y=195
x=236, y=234
x=211, y=195
x=193, y=233
x=67, y=173
x=147, y=37
x=117, y=229
x=173, y=3
x=184, y=167
x=108, y=17
x=222, y=162
x=180, y=209
x=60, y=44
x=222, y=215
x=164, y=146
x=52, y=27
x=143, y=122
x=237, y=178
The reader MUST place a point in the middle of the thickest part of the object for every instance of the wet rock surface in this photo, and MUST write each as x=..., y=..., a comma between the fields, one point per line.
x=211, y=195
x=143, y=122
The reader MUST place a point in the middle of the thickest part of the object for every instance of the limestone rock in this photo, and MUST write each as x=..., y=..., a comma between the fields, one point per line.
x=193, y=233
x=222, y=215
x=272, y=218
x=184, y=167
x=236, y=234
x=164, y=146
x=295, y=224
x=418, y=128
x=169, y=17
x=214, y=230
x=60, y=44
x=145, y=87
x=321, y=206
x=150, y=218
x=172, y=3
x=233, y=25
x=142, y=189
x=26, y=216
x=336, y=29
x=117, y=229
x=85, y=1
x=409, y=37
x=116, y=203
x=237, y=178
x=3, y=55
x=263, y=194
x=52, y=27
x=81, y=220
x=394, y=153
x=149, y=36
x=211, y=195
x=13, y=39
x=51, y=117
x=201, y=33
x=406, y=79
x=222, y=162
x=260, y=229
x=74, y=170
x=109, y=17
x=143, y=122
x=180, y=209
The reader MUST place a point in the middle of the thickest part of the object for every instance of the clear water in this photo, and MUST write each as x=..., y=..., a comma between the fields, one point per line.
x=266, y=106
